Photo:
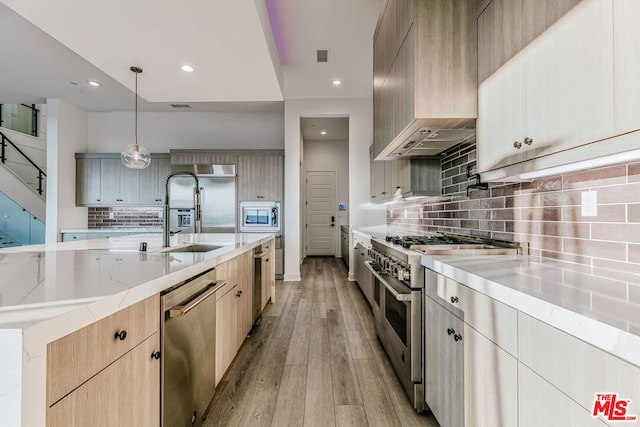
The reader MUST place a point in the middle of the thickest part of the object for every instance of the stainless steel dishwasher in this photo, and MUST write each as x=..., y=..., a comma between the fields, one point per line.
x=188, y=350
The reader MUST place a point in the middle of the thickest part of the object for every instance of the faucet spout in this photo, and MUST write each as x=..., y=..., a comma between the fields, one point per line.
x=165, y=220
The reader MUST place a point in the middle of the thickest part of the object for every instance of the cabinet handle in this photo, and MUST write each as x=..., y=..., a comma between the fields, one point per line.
x=97, y=200
x=238, y=294
x=384, y=192
x=450, y=331
x=517, y=144
x=457, y=337
x=267, y=260
x=120, y=335
x=155, y=355
x=454, y=299
x=373, y=197
x=528, y=141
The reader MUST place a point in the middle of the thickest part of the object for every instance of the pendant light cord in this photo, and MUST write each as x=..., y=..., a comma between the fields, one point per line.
x=136, y=125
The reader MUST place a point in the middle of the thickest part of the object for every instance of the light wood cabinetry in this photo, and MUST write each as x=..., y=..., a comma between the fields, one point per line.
x=362, y=273
x=424, y=69
x=152, y=182
x=102, y=180
x=234, y=316
x=267, y=274
x=125, y=393
x=541, y=404
x=551, y=78
x=626, y=65
x=75, y=358
x=104, y=374
x=444, y=364
x=574, y=367
x=260, y=177
x=226, y=326
x=471, y=366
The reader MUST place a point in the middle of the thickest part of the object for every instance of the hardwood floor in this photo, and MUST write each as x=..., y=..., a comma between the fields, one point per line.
x=314, y=361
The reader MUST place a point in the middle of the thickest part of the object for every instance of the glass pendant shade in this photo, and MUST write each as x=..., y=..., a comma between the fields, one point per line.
x=135, y=156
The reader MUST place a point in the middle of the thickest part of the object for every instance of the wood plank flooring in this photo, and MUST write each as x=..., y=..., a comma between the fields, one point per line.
x=314, y=361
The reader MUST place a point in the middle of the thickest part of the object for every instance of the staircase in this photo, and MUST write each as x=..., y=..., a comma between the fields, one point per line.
x=22, y=197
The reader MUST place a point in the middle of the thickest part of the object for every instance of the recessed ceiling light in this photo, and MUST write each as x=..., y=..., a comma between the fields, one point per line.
x=94, y=83
x=187, y=68
x=336, y=82
x=324, y=132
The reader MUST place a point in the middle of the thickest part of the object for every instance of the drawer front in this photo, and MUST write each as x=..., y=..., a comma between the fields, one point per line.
x=494, y=320
x=357, y=238
x=575, y=367
x=75, y=358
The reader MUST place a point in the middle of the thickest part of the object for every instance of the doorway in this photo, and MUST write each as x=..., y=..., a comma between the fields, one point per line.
x=324, y=184
x=321, y=216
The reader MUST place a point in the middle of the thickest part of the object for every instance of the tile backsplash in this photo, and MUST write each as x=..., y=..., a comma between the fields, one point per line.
x=546, y=213
x=125, y=217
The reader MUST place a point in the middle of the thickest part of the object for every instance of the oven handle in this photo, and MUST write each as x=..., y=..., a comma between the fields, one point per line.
x=397, y=295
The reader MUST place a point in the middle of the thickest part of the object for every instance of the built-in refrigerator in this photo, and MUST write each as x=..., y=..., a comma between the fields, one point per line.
x=217, y=199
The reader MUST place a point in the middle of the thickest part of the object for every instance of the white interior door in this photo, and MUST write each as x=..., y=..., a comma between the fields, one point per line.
x=321, y=217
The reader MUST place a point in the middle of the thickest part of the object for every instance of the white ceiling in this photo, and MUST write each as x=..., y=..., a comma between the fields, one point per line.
x=337, y=129
x=230, y=44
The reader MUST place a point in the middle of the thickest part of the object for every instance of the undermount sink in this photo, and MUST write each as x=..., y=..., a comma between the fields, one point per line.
x=196, y=247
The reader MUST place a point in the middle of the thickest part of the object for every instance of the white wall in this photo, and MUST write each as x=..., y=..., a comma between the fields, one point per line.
x=331, y=156
x=362, y=213
x=66, y=135
x=159, y=132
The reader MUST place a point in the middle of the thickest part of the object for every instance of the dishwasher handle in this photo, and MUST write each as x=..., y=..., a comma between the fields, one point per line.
x=182, y=309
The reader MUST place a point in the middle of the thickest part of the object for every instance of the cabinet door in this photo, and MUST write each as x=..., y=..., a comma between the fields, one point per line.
x=129, y=185
x=126, y=393
x=150, y=184
x=626, y=33
x=376, y=169
x=569, y=78
x=110, y=181
x=490, y=383
x=541, y=404
x=249, y=172
x=401, y=176
x=444, y=364
x=87, y=182
x=272, y=177
x=226, y=326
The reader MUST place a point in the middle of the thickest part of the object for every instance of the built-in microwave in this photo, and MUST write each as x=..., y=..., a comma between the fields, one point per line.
x=259, y=216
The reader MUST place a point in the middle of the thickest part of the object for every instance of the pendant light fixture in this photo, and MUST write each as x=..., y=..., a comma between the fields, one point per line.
x=135, y=156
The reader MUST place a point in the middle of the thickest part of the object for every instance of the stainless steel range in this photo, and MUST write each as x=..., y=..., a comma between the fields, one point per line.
x=398, y=297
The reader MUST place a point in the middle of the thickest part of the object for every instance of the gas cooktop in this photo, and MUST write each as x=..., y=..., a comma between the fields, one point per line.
x=452, y=242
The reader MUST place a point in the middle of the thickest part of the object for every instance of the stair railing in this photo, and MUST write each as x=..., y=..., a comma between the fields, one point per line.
x=4, y=140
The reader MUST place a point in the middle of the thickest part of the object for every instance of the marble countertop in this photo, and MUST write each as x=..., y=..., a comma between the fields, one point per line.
x=599, y=310
x=44, y=281
x=602, y=310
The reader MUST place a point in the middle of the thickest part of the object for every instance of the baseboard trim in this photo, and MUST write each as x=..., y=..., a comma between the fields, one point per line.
x=291, y=277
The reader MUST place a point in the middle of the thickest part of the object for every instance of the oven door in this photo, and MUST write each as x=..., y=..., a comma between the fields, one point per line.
x=397, y=311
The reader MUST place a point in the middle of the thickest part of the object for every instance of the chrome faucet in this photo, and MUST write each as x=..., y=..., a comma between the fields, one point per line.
x=165, y=220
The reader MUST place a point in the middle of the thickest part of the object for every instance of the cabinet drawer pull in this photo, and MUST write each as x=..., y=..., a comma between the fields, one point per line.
x=267, y=260
x=120, y=335
x=239, y=294
x=457, y=337
x=528, y=141
x=155, y=355
x=517, y=145
x=450, y=331
x=454, y=299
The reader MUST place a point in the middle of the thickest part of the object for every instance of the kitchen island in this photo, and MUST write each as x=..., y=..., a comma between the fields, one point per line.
x=49, y=291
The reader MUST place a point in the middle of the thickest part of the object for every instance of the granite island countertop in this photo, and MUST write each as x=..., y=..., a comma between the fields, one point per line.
x=48, y=291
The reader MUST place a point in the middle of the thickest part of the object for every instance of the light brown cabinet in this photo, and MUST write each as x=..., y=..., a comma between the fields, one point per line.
x=104, y=374
x=424, y=69
x=260, y=177
x=548, y=84
x=234, y=316
x=125, y=393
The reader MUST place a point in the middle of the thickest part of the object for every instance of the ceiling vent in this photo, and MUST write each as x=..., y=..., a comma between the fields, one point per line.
x=322, y=55
x=180, y=105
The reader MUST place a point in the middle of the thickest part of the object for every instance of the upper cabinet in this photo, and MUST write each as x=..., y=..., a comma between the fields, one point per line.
x=555, y=77
x=260, y=177
x=102, y=180
x=424, y=72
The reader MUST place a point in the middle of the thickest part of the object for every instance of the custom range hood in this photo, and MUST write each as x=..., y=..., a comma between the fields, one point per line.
x=426, y=142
